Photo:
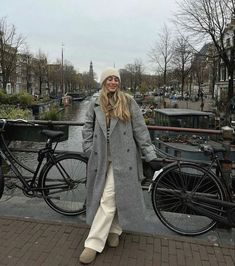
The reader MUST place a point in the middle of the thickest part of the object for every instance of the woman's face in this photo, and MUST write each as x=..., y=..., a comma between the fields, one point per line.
x=112, y=83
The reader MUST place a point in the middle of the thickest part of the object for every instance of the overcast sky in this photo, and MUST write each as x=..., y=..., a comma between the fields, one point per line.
x=106, y=32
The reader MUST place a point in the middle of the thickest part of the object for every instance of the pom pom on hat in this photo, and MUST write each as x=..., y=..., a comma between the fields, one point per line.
x=109, y=72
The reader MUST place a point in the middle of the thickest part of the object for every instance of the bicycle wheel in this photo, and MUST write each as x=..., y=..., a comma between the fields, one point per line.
x=64, y=184
x=1, y=183
x=173, y=192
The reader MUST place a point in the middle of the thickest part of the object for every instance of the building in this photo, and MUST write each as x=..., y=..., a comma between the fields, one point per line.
x=221, y=86
x=204, y=71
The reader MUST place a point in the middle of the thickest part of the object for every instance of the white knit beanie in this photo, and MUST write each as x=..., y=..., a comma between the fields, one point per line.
x=109, y=72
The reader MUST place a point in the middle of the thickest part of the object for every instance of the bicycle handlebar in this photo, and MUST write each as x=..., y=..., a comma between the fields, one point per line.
x=19, y=120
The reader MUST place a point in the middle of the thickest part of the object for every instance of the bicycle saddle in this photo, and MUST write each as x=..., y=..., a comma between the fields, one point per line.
x=52, y=134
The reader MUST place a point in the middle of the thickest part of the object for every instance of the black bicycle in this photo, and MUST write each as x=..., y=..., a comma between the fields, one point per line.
x=60, y=179
x=190, y=198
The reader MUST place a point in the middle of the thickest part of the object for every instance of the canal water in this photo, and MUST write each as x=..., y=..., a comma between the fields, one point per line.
x=75, y=112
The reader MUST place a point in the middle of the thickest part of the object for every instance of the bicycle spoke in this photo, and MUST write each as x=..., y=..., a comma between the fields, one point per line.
x=171, y=196
x=65, y=180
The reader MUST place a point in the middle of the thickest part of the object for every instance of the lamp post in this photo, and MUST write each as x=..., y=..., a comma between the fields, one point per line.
x=62, y=69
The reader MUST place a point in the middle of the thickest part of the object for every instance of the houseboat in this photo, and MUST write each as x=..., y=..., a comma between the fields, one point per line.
x=177, y=144
x=174, y=117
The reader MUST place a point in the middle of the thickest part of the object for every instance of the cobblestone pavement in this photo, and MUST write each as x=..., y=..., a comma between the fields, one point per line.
x=33, y=242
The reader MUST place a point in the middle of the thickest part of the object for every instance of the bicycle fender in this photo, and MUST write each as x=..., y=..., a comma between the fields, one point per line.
x=157, y=173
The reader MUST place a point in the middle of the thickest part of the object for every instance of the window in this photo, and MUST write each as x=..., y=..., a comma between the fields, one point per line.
x=223, y=73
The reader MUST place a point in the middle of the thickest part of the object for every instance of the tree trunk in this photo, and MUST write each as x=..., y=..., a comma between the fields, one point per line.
x=5, y=80
x=182, y=85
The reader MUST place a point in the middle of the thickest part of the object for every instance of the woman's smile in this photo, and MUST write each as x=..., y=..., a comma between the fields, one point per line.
x=112, y=83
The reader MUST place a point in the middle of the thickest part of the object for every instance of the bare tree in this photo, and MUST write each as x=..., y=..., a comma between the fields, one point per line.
x=54, y=78
x=181, y=59
x=85, y=81
x=198, y=69
x=132, y=75
x=10, y=44
x=128, y=77
x=41, y=71
x=138, y=68
x=70, y=78
x=27, y=69
x=162, y=53
x=208, y=20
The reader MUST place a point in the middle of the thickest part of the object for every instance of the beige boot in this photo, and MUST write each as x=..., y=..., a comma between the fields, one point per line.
x=88, y=255
x=113, y=240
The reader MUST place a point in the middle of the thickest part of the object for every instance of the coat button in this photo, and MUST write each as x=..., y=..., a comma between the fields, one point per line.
x=124, y=133
x=130, y=168
x=128, y=150
x=95, y=152
x=96, y=170
x=95, y=136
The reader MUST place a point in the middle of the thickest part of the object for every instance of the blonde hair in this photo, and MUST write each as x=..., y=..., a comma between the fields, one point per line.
x=114, y=104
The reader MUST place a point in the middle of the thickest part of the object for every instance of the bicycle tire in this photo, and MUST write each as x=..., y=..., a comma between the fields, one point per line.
x=65, y=195
x=1, y=183
x=173, y=189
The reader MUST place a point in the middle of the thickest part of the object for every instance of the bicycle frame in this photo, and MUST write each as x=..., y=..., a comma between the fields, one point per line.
x=12, y=161
x=227, y=204
x=56, y=177
x=7, y=155
x=216, y=163
x=199, y=203
x=227, y=211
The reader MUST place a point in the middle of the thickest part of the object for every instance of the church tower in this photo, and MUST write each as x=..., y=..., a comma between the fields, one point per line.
x=91, y=72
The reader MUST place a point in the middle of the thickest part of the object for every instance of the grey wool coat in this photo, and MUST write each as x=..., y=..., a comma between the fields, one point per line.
x=126, y=140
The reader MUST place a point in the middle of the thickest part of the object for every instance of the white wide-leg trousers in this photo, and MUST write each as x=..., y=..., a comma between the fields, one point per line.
x=105, y=220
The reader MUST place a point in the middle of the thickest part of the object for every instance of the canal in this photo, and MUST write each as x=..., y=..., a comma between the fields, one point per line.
x=75, y=112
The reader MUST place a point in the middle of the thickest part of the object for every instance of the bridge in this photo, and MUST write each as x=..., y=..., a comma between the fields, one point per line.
x=29, y=133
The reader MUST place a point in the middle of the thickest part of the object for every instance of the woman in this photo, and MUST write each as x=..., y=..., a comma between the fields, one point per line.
x=114, y=133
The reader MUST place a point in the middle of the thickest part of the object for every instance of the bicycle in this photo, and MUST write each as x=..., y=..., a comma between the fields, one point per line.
x=190, y=198
x=60, y=179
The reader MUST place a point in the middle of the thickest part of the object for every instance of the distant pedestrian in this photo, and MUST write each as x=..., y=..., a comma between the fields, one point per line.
x=114, y=134
x=202, y=105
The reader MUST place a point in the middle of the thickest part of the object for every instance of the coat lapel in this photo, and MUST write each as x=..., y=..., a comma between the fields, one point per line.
x=101, y=119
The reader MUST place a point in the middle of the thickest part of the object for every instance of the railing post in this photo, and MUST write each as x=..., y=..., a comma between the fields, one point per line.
x=228, y=137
